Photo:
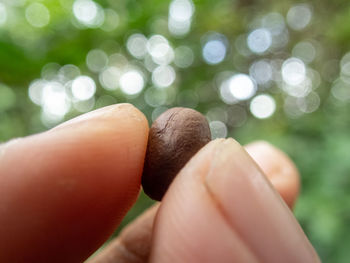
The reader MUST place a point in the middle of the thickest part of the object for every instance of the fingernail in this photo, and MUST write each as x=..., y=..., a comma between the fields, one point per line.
x=253, y=208
x=232, y=166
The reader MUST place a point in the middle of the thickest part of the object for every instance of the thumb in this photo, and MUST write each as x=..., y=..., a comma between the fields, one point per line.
x=221, y=208
x=63, y=192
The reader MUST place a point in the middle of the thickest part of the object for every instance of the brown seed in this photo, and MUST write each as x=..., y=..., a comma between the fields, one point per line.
x=175, y=136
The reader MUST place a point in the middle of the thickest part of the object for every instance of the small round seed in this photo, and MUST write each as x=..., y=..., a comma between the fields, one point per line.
x=175, y=136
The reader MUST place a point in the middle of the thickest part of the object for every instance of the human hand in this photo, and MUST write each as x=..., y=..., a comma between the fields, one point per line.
x=63, y=192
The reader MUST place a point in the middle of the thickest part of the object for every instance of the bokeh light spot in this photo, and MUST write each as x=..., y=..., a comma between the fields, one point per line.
x=37, y=15
x=68, y=72
x=163, y=76
x=261, y=71
x=83, y=88
x=262, y=106
x=179, y=28
x=293, y=71
x=226, y=94
x=160, y=50
x=109, y=78
x=88, y=13
x=111, y=20
x=274, y=23
x=136, y=45
x=300, y=90
x=50, y=71
x=214, y=51
x=310, y=103
x=155, y=97
x=259, y=40
x=96, y=60
x=218, y=129
x=55, y=101
x=299, y=16
x=217, y=113
x=242, y=87
x=181, y=10
x=184, y=57
x=341, y=90
x=131, y=82
x=305, y=51
x=180, y=16
x=35, y=90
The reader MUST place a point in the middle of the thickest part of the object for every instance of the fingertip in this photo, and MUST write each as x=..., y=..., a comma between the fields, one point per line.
x=189, y=227
x=247, y=199
x=279, y=169
x=108, y=113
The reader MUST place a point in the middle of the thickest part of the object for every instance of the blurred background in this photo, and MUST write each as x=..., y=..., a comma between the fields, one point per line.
x=270, y=70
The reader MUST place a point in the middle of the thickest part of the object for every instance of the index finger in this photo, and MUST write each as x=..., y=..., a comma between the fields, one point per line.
x=63, y=192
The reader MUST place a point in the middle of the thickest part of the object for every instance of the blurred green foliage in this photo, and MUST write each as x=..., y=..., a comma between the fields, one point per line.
x=37, y=38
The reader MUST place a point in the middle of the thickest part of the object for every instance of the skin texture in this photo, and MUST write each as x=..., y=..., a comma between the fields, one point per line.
x=280, y=170
x=133, y=245
x=63, y=192
x=175, y=136
x=225, y=208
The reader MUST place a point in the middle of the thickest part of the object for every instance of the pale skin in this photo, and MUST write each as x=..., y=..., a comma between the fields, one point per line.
x=63, y=193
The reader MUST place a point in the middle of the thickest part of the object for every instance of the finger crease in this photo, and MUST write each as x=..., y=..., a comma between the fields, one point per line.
x=226, y=220
x=128, y=254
